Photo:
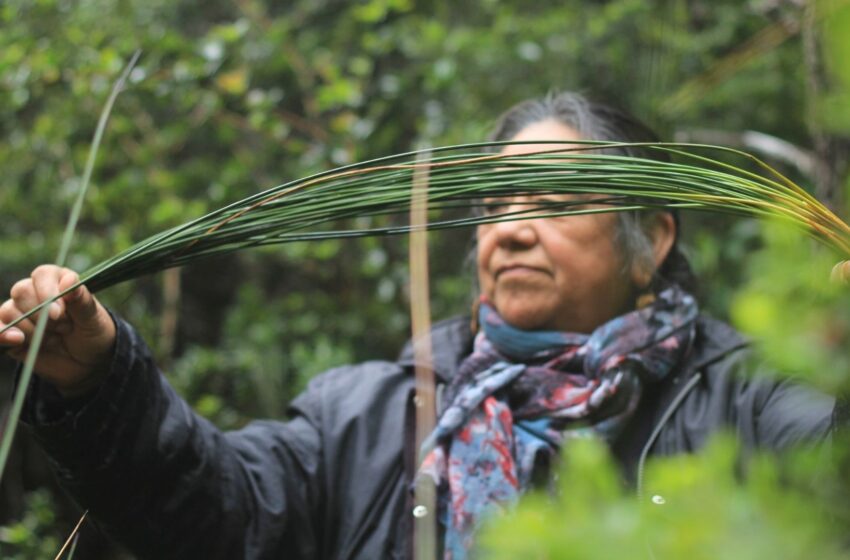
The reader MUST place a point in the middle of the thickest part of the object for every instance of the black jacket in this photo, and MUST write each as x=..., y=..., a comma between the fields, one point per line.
x=332, y=482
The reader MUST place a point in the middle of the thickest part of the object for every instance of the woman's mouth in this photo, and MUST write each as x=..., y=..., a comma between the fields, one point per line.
x=517, y=270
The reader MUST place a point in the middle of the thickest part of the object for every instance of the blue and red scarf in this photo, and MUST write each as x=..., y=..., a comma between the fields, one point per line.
x=521, y=395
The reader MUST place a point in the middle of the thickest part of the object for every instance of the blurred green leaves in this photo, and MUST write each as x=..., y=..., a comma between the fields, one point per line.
x=698, y=507
x=34, y=535
x=799, y=320
x=267, y=353
x=834, y=106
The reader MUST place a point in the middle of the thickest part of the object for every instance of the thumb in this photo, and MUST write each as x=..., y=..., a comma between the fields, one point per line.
x=841, y=273
x=80, y=305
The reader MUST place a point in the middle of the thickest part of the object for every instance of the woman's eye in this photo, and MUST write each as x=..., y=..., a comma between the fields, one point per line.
x=533, y=206
x=546, y=202
x=564, y=203
x=552, y=204
x=493, y=207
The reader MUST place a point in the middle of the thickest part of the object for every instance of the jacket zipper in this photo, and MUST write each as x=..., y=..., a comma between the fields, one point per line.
x=655, y=433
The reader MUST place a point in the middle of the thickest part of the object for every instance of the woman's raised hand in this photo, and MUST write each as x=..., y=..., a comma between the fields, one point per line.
x=80, y=334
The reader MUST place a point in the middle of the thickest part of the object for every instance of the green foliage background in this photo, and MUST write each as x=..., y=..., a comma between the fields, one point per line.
x=233, y=97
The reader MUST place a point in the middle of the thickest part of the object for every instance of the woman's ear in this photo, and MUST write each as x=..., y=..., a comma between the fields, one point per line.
x=661, y=230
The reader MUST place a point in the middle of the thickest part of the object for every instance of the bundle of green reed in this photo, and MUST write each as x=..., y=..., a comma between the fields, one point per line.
x=468, y=185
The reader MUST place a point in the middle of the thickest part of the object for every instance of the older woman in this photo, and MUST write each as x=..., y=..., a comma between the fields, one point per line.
x=585, y=325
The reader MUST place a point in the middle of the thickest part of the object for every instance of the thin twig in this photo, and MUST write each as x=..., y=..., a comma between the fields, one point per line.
x=72, y=538
x=425, y=518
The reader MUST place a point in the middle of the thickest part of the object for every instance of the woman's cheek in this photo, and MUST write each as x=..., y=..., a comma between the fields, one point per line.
x=484, y=253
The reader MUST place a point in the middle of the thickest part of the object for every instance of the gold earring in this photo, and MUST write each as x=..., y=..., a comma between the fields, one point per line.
x=645, y=295
x=645, y=299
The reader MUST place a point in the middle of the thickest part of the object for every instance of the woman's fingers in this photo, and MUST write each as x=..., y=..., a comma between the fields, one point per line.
x=53, y=343
x=45, y=281
x=17, y=334
x=12, y=337
x=80, y=334
x=25, y=298
x=27, y=294
x=81, y=307
x=23, y=295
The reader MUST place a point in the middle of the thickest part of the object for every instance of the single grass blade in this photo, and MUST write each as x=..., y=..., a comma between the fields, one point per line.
x=73, y=547
x=35, y=344
x=72, y=539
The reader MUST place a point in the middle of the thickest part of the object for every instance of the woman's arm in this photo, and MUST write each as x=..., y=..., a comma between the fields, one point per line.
x=167, y=483
x=162, y=480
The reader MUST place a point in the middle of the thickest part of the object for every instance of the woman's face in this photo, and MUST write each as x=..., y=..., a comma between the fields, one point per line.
x=561, y=273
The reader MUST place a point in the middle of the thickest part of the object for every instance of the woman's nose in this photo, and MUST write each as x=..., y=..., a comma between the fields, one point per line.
x=517, y=231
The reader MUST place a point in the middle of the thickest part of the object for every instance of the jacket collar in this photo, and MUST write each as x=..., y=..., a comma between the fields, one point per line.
x=714, y=341
x=451, y=341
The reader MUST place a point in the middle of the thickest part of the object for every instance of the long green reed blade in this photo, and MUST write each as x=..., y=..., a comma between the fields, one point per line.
x=38, y=336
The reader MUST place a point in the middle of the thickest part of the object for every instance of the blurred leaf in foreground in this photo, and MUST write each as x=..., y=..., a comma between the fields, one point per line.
x=696, y=507
x=799, y=320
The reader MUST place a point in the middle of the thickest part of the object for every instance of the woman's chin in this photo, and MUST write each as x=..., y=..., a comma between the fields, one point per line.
x=526, y=319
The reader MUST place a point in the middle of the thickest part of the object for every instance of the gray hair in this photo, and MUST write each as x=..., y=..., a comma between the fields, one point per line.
x=596, y=121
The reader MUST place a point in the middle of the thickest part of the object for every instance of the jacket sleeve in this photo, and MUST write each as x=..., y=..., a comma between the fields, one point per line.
x=167, y=483
x=788, y=413
x=769, y=411
x=762, y=410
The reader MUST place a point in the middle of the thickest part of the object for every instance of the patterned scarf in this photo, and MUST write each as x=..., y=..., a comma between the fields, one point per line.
x=521, y=394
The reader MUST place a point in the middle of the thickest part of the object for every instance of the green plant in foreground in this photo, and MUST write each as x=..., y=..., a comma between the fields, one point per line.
x=697, y=507
x=34, y=535
x=799, y=320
